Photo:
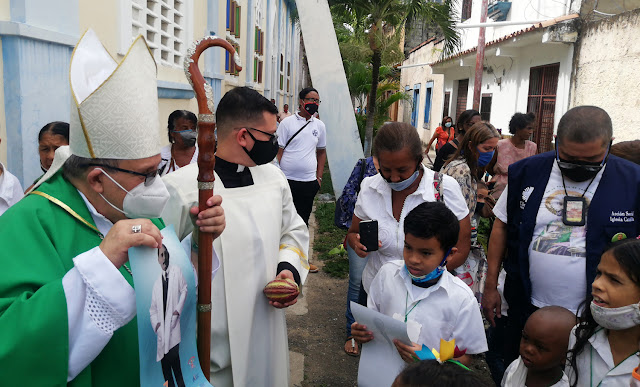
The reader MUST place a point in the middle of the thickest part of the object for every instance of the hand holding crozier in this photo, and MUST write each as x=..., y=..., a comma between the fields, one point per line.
x=283, y=291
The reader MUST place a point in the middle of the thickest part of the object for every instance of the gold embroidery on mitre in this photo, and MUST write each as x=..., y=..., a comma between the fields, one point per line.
x=121, y=130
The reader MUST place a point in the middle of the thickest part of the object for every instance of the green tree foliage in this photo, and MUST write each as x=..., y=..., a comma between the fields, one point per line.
x=380, y=24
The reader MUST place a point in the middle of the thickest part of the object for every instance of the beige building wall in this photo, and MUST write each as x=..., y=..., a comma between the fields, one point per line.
x=5, y=10
x=607, y=71
x=421, y=75
x=103, y=17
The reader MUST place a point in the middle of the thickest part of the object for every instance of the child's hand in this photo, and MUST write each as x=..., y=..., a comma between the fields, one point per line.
x=407, y=352
x=360, y=333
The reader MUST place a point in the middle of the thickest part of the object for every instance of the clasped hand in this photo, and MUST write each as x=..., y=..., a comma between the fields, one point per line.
x=120, y=238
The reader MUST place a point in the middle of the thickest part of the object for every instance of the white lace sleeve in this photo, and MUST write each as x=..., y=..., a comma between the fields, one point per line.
x=99, y=301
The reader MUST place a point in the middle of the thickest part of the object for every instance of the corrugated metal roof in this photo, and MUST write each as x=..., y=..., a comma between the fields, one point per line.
x=533, y=28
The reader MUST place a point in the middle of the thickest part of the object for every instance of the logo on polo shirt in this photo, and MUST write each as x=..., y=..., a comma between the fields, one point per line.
x=315, y=132
x=525, y=196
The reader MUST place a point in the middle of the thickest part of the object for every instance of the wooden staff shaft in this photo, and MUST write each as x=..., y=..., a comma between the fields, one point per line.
x=206, y=177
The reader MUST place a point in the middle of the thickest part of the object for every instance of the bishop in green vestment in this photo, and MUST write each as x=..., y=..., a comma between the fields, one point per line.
x=67, y=302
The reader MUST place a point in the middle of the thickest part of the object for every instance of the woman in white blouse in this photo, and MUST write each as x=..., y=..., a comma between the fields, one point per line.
x=182, y=150
x=402, y=184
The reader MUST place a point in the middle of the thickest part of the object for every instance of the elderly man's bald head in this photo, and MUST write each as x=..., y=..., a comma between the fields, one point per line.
x=584, y=124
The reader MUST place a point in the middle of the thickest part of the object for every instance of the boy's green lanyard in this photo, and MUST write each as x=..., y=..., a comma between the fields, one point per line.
x=405, y=307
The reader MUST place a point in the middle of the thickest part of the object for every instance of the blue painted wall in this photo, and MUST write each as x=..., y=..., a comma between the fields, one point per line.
x=212, y=73
x=36, y=91
x=35, y=76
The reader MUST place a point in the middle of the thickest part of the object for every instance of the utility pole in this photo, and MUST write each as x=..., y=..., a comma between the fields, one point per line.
x=477, y=84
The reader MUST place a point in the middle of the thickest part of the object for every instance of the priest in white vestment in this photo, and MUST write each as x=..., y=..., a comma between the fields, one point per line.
x=264, y=239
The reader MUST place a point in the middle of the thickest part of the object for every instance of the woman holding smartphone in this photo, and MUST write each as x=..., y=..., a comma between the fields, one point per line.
x=402, y=184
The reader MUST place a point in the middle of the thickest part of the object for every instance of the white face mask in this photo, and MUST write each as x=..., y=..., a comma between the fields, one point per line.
x=142, y=201
x=616, y=318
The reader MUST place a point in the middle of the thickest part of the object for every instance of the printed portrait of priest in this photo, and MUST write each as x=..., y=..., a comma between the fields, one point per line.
x=167, y=300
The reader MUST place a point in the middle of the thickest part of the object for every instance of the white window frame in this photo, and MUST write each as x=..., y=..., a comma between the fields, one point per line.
x=158, y=21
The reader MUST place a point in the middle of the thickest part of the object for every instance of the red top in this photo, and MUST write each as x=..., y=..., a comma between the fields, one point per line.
x=444, y=137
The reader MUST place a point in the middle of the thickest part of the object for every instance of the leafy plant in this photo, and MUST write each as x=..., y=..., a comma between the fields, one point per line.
x=383, y=21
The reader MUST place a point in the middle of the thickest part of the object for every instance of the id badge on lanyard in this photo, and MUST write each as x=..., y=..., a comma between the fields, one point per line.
x=574, y=211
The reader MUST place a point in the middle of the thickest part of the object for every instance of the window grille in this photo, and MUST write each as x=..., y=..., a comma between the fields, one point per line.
x=164, y=24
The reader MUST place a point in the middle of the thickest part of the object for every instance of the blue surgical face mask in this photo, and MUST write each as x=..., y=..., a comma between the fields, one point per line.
x=485, y=157
x=402, y=185
x=437, y=272
x=448, y=124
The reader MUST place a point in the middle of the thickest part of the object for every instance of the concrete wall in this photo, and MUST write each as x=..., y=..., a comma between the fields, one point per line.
x=534, y=10
x=509, y=80
x=422, y=75
x=606, y=74
x=37, y=38
x=5, y=10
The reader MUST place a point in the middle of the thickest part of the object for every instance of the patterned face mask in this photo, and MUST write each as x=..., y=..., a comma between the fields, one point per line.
x=616, y=318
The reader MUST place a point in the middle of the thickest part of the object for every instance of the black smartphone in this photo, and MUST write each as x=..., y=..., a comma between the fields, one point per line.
x=369, y=234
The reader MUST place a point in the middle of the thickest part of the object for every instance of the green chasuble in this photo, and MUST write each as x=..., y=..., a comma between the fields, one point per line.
x=38, y=241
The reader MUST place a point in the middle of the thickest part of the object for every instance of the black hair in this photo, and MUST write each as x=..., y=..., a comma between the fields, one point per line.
x=465, y=117
x=584, y=124
x=303, y=93
x=189, y=116
x=520, y=121
x=428, y=373
x=627, y=254
x=56, y=127
x=396, y=136
x=76, y=167
x=241, y=106
x=166, y=254
x=433, y=220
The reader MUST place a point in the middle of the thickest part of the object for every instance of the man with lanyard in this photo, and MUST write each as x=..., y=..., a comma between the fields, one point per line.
x=302, y=154
x=67, y=303
x=555, y=218
x=265, y=240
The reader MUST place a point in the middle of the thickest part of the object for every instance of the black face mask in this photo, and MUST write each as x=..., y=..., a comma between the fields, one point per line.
x=311, y=108
x=578, y=170
x=263, y=152
x=479, y=207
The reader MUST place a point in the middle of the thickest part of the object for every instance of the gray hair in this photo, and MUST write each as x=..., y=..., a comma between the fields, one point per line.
x=396, y=136
x=76, y=167
x=584, y=124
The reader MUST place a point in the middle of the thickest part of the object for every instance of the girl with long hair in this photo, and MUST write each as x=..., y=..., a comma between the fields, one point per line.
x=604, y=345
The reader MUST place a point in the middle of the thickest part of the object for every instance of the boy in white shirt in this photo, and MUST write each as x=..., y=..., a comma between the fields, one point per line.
x=543, y=350
x=420, y=291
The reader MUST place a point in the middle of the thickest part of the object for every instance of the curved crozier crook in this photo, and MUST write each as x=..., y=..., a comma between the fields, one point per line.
x=194, y=76
x=206, y=177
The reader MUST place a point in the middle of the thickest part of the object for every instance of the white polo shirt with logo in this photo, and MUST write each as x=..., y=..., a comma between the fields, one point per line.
x=299, y=161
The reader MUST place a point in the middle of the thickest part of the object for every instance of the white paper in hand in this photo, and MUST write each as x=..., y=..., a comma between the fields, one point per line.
x=380, y=362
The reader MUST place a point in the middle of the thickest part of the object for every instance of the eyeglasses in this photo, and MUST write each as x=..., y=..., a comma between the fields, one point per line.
x=314, y=100
x=148, y=177
x=585, y=165
x=273, y=137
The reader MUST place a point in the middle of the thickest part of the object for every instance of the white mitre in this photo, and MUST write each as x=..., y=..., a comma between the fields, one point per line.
x=114, y=108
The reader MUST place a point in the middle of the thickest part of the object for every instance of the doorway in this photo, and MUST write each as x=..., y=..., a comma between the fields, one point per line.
x=543, y=85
